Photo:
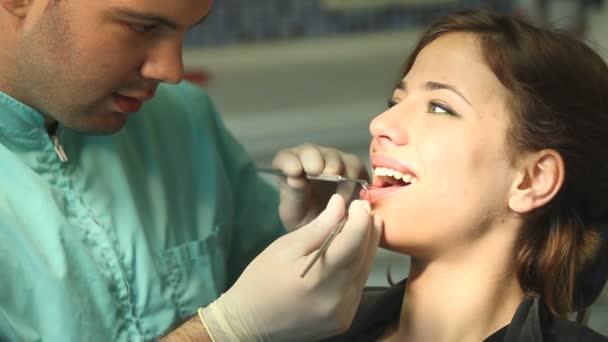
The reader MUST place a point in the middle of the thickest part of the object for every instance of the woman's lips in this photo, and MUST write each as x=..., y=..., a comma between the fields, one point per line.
x=379, y=189
x=383, y=160
x=374, y=192
x=127, y=104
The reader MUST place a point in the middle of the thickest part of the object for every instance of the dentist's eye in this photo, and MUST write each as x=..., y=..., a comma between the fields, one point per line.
x=440, y=108
x=141, y=28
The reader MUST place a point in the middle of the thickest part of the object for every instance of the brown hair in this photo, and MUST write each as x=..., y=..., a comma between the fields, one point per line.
x=559, y=90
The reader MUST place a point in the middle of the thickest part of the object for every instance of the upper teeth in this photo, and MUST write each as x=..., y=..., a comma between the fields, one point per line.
x=383, y=171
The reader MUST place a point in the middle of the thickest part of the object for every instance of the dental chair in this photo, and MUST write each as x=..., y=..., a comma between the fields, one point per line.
x=591, y=281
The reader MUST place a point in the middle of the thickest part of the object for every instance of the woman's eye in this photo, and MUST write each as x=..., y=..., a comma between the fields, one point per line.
x=439, y=108
x=390, y=103
x=141, y=28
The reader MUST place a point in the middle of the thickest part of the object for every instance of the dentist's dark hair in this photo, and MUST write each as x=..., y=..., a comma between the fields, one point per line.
x=559, y=97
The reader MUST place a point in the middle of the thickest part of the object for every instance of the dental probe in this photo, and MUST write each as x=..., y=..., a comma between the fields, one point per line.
x=322, y=177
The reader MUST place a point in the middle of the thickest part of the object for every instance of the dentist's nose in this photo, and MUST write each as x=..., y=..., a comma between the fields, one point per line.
x=389, y=127
x=165, y=63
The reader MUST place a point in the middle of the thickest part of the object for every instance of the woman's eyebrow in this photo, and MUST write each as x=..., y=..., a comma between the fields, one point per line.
x=401, y=86
x=434, y=86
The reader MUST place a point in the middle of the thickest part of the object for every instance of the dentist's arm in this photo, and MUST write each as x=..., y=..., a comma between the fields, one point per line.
x=191, y=331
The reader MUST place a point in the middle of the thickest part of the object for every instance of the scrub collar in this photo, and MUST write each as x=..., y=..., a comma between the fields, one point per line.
x=17, y=118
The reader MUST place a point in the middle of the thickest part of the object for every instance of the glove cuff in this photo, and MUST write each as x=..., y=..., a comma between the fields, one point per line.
x=223, y=327
x=202, y=319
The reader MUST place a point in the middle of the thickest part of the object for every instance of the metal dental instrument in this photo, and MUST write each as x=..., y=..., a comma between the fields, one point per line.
x=322, y=177
x=325, y=244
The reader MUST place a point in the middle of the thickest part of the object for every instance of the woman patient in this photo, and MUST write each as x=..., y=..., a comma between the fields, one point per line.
x=491, y=172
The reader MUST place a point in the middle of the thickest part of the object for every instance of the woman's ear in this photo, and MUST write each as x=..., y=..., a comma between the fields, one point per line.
x=18, y=8
x=541, y=176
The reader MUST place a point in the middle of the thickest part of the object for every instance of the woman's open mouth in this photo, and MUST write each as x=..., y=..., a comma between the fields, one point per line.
x=386, y=182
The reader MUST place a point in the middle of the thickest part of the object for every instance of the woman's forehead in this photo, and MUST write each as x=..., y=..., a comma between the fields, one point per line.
x=456, y=59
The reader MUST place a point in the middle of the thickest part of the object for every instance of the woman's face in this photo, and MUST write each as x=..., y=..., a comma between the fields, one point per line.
x=446, y=135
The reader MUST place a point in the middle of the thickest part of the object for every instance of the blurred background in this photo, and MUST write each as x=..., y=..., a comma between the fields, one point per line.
x=285, y=72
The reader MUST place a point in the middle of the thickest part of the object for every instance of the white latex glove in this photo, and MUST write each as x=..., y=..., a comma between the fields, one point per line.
x=301, y=199
x=271, y=302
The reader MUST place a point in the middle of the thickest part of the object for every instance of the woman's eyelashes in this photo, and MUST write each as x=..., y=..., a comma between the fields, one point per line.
x=434, y=107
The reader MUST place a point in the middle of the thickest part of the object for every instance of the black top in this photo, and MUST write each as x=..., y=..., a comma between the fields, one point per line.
x=532, y=322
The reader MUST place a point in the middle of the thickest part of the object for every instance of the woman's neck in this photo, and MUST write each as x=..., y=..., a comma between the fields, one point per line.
x=465, y=296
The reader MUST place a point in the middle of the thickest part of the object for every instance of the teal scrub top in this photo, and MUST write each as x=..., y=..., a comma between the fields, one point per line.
x=135, y=231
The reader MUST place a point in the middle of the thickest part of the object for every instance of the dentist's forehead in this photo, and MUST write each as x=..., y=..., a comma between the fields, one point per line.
x=184, y=13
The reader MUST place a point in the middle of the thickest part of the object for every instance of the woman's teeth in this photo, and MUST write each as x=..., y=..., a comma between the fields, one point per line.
x=398, y=175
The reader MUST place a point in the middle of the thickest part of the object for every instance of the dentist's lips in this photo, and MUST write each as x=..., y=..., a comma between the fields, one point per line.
x=127, y=104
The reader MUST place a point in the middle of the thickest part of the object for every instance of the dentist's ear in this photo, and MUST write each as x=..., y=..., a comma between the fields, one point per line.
x=18, y=8
x=540, y=179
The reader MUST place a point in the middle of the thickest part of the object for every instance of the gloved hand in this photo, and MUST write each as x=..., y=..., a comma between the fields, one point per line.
x=271, y=302
x=301, y=199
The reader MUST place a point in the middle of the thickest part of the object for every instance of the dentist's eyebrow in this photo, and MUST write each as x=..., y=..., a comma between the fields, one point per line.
x=434, y=86
x=150, y=17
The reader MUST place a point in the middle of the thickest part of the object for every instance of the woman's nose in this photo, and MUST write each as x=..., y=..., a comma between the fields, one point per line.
x=389, y=127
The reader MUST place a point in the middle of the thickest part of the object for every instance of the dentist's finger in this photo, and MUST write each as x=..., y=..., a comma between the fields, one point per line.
x=289, y=162
x=354, y=167
x=309, y=238
x=370, y=250
x=333, y=162
x=312, y=159
x=353, y=239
